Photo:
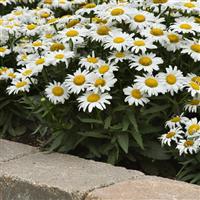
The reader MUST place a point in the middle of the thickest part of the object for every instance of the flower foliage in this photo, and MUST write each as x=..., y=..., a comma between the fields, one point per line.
x=103, y=77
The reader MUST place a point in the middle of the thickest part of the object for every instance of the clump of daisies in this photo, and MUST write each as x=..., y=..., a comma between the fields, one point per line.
x=183, y=133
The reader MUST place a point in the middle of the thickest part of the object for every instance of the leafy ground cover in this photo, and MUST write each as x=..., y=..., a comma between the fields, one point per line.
x=115, y=81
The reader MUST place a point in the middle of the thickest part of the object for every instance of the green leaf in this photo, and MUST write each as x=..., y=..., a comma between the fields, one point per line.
x=107, y=122
x=155, y=109
x=93, y=134
x=123, y=141
x=135, y=131
x=138, y=138
x=89, y=120
x=125, y=124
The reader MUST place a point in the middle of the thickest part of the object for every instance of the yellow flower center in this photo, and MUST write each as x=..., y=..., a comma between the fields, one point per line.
x=170, y=134
x=136, y=94
x=173, y=38
x=139, y=18
x=193, y=128
x=17, y=13
x=93, y=98
x=92, y=60
x=59, y=56
x=139, y=43
x=197, y=20
x=118, y=40
x=57, y=47
x=48, y=2
x=39, y=61
x=79, y=80
x=72, y=23
x=195, y=102
x=2, y=49
x=117, y=12
x=27, y=72
x=37, y=43
x=188, y=143
x=176, y=119
x=103, y=69
x=99, y=82
x=120, y=55
x=21, y=84
x=145, y=61
x=171, y=79
x=31, y=26
x=52, y=20
x=196, y=79
x=58, y=91
x=196, y=48
x=72, y=33
x=160, y=1
x=24, y=57
x=195, y=86
x=45, y=15
x=157, y=32
x=151, y=82
x=11, y=75
x=103, y=30
x=189, y=5
x=49, y=35
x=90, y=5
x=185, y=26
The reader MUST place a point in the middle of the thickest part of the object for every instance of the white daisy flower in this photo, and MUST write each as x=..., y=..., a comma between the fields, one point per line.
x=106, y=68
x=120, y=56
x=147, y=62
x=19, y=85
x=189, y=6
x=192, y=127
x=185, y=25
x=114, y=13
x=77, y=82
x=91, y=100
x=101, y=83
x=4, y=50
x=140, y=19
x=99, y=32
x=150, y=84
x=56, y=92
x=176, y=121
x=26, y=72
x=193, y=49
x=141, y=45
x=192, y=105
x=192, y=85
x=173, y=135
x=75, y=34
x=173, y=79
x=87, y=9
x=135, y=96
x=173, y=41
x=188, y=146
x=118, y=41
x=60, y=56
x=156, y=32
x=90, y=62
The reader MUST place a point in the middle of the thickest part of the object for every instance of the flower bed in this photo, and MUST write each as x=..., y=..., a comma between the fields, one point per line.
x=102, y=79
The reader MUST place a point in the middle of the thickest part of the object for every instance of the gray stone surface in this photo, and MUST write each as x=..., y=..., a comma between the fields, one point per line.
x=147, y=188
x=55, y=176
x=11, y=150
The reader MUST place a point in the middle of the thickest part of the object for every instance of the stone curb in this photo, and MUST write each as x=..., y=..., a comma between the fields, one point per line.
x=147, y=188
x=27, y=174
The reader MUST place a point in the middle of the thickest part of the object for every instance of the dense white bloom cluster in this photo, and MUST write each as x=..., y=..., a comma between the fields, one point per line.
x=91, y=44
x=184, y=132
